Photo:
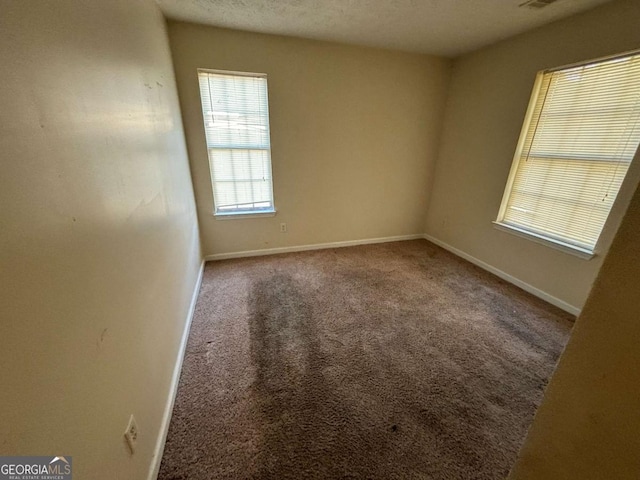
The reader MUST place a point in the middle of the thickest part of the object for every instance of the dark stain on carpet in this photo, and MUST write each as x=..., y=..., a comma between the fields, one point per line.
x=288, y=364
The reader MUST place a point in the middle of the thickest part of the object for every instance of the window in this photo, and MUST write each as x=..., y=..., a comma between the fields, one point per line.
x=581, y=132
x=235, y=108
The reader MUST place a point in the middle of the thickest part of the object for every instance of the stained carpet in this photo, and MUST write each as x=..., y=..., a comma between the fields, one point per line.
x=388, y=361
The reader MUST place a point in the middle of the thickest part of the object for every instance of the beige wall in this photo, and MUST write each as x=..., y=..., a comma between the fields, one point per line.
x=99, y=242
x=488, y=98
x=588, y=425
x=354, y=136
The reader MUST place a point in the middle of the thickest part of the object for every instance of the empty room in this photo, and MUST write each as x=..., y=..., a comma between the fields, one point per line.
x=291, y=239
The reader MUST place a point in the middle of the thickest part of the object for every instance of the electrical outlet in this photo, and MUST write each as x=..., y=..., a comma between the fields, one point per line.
x=283, y=228
x=131, y=434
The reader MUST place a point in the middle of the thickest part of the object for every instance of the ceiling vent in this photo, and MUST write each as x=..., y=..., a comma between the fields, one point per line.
x=537, y=3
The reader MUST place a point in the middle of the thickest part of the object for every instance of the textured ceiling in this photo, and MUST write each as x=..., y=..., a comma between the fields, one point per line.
x=440, y=27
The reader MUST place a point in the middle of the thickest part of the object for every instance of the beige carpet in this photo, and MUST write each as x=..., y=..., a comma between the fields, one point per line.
x=390, y=361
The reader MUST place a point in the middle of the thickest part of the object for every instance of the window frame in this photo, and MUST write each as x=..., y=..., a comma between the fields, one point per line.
x=550, y=241
x=245, y=214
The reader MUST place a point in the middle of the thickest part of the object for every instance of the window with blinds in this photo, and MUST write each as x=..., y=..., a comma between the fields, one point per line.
x=581, y=132
x=235, y=108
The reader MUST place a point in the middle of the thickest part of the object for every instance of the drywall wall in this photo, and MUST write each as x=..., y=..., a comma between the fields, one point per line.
x=487, y=101
x=99, y=241
x=354, y=133
x=587, y=426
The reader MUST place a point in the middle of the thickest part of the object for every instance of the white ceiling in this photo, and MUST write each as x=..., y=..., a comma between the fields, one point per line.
x=440, y=27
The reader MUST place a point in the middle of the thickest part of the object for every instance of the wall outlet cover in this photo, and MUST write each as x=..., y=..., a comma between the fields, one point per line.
x=131, y=434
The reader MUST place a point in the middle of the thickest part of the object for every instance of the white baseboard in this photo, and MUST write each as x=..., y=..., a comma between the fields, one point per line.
x=302, y=248
x=505, y=276
x=156, y=460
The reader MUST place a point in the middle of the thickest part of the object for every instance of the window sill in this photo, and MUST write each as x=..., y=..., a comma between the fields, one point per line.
x=558, y=245
x=243, y=215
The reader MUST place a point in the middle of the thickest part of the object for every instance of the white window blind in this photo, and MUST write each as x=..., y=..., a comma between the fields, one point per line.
x=235, y=108
x=583, y=131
